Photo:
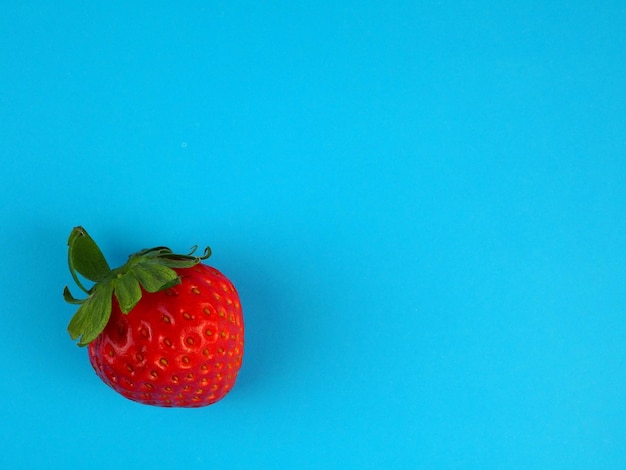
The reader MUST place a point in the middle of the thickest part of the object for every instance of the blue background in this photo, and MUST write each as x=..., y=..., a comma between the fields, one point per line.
x=422, y=204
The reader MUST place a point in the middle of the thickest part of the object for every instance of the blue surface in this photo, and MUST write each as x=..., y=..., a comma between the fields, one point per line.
x=422, y=204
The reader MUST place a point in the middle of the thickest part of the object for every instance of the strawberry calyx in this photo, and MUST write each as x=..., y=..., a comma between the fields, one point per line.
x=150, y=270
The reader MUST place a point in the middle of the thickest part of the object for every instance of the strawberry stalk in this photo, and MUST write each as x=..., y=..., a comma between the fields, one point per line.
x=150, y=270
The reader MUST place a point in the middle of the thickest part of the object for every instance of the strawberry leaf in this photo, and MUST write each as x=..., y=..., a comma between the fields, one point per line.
x=85, y=257
x=69, y=298
x=127, y=291
x=154, y=277
x=152, y=269
x=92, y=316
x=178, y=263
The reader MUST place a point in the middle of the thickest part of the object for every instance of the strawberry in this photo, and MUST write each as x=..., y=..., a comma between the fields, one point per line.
x=163, y=329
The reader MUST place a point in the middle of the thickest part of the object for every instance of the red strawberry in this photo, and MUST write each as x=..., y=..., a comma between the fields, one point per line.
x=163, y=329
